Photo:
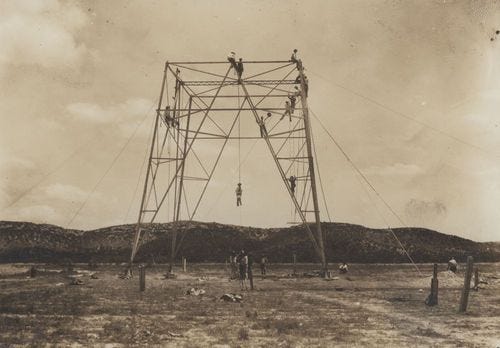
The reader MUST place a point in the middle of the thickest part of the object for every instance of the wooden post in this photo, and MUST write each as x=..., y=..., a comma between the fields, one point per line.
x=142, y=278
x=294, y=263
x=476, y=279
x=184, y=264
x=465, y=291
x=434, y=287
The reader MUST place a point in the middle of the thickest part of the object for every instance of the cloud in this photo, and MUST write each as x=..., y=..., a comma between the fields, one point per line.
x=42, y=33
x=11, y=170
x=92, y=113
x=126, y=115
x=64, y=192
x=425, y=210
x=39, y=214
x=398, y=169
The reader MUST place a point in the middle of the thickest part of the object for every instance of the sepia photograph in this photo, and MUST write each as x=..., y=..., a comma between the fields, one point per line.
x=250, y=173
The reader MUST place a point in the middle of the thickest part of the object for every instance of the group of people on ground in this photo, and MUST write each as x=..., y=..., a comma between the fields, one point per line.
x=241, y=268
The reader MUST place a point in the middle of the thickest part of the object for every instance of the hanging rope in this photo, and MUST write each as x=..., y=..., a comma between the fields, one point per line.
x=365, y=179
x=108, y=169
x=319, y=176
x=140, y=171
x=411, y=118
x=239, y=139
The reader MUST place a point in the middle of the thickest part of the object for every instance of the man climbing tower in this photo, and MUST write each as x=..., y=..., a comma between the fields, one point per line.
x=238, y=191
x=239, y=69
x=262, y=126
x=293, y=100
x=231, y=57
x=295, y=60
x=167, y=116
x=292, y=180
x=288, y=111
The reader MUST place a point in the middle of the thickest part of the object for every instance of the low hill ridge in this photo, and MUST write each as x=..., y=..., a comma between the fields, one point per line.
x=213, y=242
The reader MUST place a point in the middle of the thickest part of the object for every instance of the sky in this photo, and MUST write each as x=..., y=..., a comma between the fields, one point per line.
x=410, y=89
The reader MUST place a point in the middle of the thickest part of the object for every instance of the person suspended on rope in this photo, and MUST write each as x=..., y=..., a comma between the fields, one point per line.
x=292, y=179
x=343, y=268
x=239, y=69
x=238, y=191
x=231, y=57
x=453, y=265
x=293, y=100
x=288, y=111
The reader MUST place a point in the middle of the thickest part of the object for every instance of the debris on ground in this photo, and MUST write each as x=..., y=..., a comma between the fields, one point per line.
x=251, y=315
x=169, y=276
x=195, y=292
x=173, y=334
x=76, y=281
x=232, y=298
x=94, y=276
x=202, y=279
x=447, y=279
x=126, y=275
x=330, y=279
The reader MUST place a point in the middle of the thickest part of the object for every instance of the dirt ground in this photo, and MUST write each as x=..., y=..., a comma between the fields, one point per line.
x=372, y=305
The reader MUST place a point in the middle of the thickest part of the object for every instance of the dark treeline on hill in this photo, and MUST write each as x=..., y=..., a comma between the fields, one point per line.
x=213, y=242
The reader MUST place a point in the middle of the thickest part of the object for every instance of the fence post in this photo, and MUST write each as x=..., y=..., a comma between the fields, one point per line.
x=476, y=279
x=184, y=264
x=294, y=263
x=142, y=278
x=464, y=299
x=434, y=286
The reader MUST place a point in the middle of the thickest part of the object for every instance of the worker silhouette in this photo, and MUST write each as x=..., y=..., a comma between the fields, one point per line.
x=167, y=116
x=231, y=57
x=288, y=111
x=238, y=191
x=239, y=69
x=293, y=101
x=292, y=179
x=295, y=60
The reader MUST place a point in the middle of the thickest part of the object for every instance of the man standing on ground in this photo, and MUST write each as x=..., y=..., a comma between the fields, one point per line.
x=243, y=268
x=263, y=265
x=453, y=265
x=249, y=270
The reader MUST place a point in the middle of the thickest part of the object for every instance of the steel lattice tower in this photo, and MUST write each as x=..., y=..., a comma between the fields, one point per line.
x=196, y=104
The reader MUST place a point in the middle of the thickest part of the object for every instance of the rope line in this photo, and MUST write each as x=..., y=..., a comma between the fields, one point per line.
x=140, y=173
x=319, y=176
x=109, y=168
x=365, y=179
x=403, y=115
